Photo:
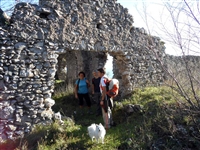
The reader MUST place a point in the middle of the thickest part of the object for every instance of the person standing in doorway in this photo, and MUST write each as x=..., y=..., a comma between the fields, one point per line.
x=96, y=91
x=106, y=111
x=82, y=92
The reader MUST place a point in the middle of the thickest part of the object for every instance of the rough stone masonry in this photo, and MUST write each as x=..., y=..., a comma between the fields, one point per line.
x=38, y=35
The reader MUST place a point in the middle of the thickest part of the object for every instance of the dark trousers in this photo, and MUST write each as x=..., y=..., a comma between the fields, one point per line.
x=97, y=98
x=86, y=97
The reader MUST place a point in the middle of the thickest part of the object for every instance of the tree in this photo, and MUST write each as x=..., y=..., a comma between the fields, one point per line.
x=179, y=26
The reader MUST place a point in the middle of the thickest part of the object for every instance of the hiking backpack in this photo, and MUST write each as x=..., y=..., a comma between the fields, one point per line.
x=112, y=87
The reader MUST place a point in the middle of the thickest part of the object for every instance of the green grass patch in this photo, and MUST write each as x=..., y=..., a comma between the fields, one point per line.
x=161, y=124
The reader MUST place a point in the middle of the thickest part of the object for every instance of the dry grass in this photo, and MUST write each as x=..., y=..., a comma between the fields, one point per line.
x=164, y=124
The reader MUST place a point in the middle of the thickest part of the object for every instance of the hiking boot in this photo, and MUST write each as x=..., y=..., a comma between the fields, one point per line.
x=107, y=127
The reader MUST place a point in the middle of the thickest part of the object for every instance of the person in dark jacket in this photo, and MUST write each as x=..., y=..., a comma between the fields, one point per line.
x=96, y=91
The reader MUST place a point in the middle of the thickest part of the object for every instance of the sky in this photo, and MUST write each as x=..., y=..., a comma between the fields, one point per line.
x=157, y=14
x=136, y=6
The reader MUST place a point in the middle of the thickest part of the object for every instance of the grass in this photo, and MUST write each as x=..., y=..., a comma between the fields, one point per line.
x=161, y=125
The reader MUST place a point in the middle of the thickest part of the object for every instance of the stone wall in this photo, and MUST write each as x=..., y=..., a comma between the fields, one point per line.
x=72, y=62
x=76, y=34
x=178, y=65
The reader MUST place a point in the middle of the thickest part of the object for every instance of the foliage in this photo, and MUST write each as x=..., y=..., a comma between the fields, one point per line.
x=179, y=22
x=163, y=124
x=62, y=90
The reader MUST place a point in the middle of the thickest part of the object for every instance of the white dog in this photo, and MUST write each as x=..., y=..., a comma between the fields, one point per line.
x=97, y=131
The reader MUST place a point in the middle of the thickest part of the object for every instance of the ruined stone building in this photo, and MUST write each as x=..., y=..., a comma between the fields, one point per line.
x=64, y=37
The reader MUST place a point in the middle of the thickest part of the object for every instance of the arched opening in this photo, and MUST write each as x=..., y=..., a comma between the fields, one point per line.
x=72, y=62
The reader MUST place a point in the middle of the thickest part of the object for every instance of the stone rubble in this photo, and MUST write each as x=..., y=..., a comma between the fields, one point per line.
x=42, y=40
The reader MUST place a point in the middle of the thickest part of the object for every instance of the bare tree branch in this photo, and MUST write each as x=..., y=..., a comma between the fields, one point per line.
x=191, y=12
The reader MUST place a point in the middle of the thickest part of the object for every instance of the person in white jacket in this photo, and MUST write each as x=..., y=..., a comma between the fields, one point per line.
x=106, y=111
